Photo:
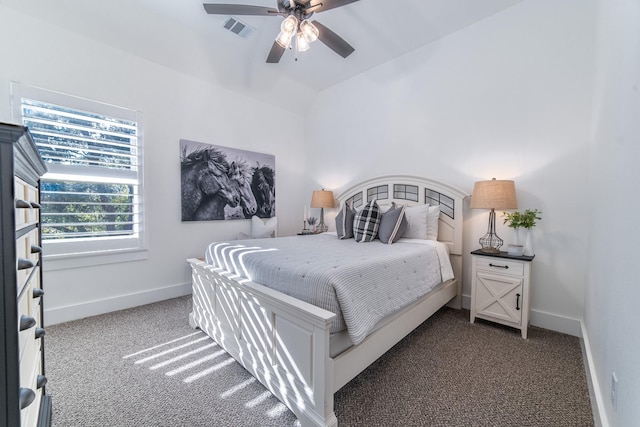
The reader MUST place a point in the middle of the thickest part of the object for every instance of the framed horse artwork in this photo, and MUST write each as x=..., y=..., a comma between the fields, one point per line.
x=223, y=183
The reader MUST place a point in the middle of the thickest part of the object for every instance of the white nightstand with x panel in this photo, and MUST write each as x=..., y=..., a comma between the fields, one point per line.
x=500, y=289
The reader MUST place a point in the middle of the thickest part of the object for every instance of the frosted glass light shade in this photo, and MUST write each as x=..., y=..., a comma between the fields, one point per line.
x=301, y=43
x=289, y=25
x=309, y=31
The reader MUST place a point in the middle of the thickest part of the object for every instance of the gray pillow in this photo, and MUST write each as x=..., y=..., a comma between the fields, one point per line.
x=392, y=225
x=366, y=222
x=344, y=222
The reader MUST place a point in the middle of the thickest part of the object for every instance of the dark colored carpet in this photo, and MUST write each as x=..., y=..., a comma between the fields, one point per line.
x=146, y=367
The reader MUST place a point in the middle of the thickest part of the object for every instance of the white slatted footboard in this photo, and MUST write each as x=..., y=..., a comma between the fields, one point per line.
x=282, y=341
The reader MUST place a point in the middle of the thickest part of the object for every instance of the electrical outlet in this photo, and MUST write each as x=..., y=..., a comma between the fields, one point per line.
x=614, y=390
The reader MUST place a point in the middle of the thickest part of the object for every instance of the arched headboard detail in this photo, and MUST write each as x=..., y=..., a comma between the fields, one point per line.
x=411, y=191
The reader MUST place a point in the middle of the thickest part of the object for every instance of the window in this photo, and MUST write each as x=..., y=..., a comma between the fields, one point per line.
x=92, y=193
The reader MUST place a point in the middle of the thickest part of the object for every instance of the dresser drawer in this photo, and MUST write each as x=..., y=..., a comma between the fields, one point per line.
x=26, y=201
x=20, y=189
x=500, y=266
x=29, y=354
x=29, y=415
x=28, y=315
x=27, y=250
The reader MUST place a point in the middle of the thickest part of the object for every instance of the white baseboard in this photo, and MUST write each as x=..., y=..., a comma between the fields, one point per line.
x=595, y=391
x=67, y=313
x=542, y=319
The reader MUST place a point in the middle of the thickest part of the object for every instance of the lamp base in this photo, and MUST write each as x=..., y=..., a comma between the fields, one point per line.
x=490, y=242
x=322, y=227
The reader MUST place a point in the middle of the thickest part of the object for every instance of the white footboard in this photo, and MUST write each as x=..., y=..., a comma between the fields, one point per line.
x=282, y=341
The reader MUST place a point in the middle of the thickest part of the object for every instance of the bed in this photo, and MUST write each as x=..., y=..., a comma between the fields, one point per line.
x=304, y=353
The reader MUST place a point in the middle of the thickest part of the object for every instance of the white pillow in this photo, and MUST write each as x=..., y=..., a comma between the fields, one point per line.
x=261, y=228
x=416, y=222
x=422, y=222
x=433, y=217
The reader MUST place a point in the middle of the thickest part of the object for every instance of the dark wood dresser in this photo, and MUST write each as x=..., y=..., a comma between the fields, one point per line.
x=23, y=398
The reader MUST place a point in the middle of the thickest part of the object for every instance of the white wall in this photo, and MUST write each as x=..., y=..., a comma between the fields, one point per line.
x=611, y=316
x=174, y=106
x=508, y=97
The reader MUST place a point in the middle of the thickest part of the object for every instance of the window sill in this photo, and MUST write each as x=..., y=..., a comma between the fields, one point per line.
x=90, y=259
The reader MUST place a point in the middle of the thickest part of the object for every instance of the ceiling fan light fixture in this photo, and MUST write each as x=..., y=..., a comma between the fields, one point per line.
x=289, y=25
x=309, y=31
x=288, y=29
x=284, y=39
x=302, y=44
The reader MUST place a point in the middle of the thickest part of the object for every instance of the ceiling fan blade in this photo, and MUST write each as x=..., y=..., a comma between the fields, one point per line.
x=322, y=5
x=275, y=54
x=333, y=41
x=239, y=9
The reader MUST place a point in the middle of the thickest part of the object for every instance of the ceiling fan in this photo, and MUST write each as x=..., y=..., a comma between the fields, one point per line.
x=296, y=27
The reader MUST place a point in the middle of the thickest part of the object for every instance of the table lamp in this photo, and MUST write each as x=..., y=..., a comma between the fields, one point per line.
x=322, y=199
x=494, y=194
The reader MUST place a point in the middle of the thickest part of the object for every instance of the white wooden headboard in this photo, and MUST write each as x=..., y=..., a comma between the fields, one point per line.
x=413, y=190
x=410, y=191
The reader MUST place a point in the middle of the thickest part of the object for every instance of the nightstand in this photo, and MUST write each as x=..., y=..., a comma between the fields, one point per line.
x=500, y=288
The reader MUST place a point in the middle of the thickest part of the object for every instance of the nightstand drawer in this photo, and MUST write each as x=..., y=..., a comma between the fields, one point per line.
x=500, y=266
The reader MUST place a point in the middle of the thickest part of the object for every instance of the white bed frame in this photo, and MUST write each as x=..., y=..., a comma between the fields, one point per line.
x=284, y=342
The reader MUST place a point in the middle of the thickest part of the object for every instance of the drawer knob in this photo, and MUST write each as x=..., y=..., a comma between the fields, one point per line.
x=35, y=249
x=26, y=322
x=24, y=263
x=22, y=204
x=35, y=205
x=38, y=292
x=41, y=381
x=26, y=397
x=499, y=266
x=39, y=332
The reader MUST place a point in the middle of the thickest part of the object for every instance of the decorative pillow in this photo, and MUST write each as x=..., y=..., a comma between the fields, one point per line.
x=433, y=217
x=366, y=222
x=261, y=228
x=416, y=222
x=392, y=225
x=344, y=222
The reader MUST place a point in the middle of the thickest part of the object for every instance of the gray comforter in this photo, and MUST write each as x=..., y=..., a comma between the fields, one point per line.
x=360, y=282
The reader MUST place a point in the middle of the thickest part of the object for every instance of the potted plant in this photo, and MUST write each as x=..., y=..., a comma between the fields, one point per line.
x=526, y=220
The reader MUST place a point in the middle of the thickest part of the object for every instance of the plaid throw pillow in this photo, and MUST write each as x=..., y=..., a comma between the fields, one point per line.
x=367, y=222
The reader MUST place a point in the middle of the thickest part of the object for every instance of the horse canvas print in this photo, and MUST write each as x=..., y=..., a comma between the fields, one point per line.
x=221, y=183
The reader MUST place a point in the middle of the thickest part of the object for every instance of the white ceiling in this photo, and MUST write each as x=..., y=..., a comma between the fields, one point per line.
x=181, y=35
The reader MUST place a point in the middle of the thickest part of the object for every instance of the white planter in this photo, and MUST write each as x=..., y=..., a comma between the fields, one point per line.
x=528, y=246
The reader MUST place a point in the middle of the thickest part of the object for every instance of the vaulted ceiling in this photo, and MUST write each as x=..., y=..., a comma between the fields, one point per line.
x=179, y=34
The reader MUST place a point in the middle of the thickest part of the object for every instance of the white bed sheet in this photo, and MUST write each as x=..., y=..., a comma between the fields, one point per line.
x=361, y=282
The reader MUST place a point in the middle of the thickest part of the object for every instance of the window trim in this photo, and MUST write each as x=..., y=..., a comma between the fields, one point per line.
x=82, y=254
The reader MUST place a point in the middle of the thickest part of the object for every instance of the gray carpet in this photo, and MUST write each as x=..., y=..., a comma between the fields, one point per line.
x=146, y=367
